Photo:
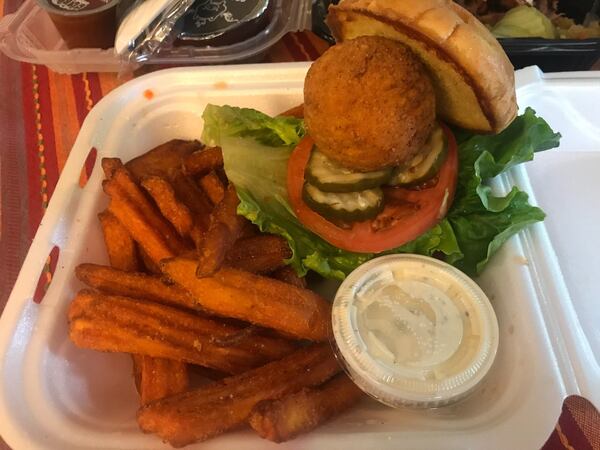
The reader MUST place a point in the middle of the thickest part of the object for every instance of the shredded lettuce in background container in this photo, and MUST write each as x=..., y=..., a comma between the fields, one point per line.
x=256, y=149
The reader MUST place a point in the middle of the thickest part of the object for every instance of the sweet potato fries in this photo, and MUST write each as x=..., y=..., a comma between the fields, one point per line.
x=194, y=288
x=259, y=300
x=206, y=412
x=283, y=419
x=159, y=377
x=122, y=324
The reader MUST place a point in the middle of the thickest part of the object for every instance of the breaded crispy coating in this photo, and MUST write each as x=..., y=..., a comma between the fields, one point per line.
x=369, y=103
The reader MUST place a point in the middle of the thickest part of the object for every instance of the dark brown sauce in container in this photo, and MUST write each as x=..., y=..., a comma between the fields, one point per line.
x=223, y=22
x=84, y=23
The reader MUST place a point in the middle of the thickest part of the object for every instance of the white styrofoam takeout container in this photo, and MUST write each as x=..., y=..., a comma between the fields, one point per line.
x=542, y=284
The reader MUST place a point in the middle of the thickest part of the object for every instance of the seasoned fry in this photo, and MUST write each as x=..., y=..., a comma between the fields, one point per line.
x=259, y=254
x=154, y=377
x=205, y=374
x=122, y=252
x=215, y=244
x=225, y=228
x=155, y=299
x=123, y=180
x=197, y=235
x=303, y=411
x=235, y=339
x=157, y=378
x=222, y=175
x=203, y=161
x=206, y=412
x=149, y=239
x=163, y=160
x=110, y=166
x=148, y=264
x=249, y=230
x=213, y=186
x=255, y=299
x=121, y=324
x=172, y=209
x=131, y=284
x=190, y=194
x=288, y=275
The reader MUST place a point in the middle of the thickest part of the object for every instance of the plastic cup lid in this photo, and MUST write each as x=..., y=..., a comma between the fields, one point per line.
x=414, y=331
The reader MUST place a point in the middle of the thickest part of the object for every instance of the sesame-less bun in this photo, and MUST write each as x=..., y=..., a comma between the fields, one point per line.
x=472, y=76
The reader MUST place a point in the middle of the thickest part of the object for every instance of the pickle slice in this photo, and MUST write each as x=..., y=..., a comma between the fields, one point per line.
x=328, y=176
x=345, y=206
x=422, y=168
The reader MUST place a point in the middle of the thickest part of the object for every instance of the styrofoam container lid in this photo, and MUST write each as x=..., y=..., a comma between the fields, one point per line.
x=414, y=331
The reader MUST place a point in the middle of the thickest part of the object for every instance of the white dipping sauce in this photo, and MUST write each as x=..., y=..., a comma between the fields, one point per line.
x=414, y=331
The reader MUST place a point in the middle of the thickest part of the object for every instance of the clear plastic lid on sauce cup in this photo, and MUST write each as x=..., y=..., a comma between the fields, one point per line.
x=84, y=23
x=414, y=331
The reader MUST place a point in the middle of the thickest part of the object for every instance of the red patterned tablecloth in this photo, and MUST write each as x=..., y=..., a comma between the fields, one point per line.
x=40, y=115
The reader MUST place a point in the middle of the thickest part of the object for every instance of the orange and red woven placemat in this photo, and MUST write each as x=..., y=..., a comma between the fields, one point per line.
x=41, y=113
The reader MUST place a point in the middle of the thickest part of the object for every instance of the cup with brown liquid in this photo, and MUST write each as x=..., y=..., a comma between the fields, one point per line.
x=84, y=23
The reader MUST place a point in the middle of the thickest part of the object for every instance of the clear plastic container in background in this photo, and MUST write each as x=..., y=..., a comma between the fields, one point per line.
x=29, y=35
x=285, y=16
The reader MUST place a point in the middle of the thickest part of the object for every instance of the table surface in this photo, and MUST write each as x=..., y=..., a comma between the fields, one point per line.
x=40, y=115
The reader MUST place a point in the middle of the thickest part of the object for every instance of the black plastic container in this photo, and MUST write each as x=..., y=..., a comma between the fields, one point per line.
x=557, y=55
x=551, y=55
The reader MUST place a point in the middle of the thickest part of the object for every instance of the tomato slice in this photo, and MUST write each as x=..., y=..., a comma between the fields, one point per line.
x=408, y=212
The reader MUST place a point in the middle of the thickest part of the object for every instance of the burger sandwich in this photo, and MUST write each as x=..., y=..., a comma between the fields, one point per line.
x=404, y=122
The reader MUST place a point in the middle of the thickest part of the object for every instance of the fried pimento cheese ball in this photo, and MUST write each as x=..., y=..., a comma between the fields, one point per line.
x=369, y=103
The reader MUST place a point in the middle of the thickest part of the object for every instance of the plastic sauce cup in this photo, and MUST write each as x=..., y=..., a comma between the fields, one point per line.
x=413, y=331
x=84, y=23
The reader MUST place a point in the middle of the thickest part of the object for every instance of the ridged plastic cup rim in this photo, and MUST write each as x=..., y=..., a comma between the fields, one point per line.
x=359, y=365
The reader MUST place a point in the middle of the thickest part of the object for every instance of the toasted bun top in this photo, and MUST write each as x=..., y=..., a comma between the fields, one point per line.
x=472, y=76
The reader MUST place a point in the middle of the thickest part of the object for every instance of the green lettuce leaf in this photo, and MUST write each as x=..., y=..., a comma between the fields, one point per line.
x=256, y=149
x=245, y=122
x=480, y=234
x=482, y=221
x=482, y=157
